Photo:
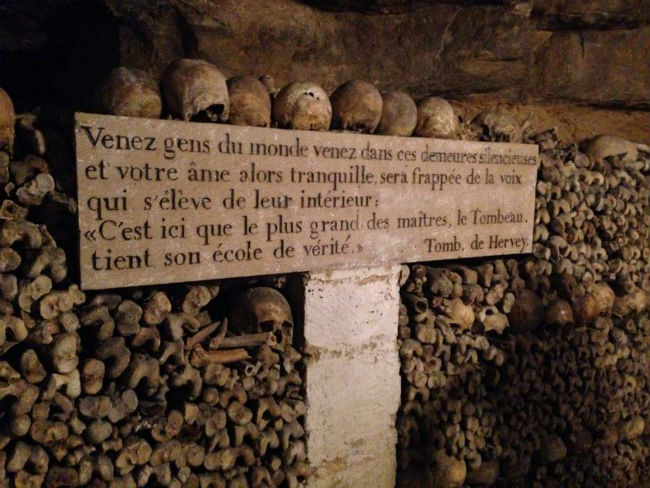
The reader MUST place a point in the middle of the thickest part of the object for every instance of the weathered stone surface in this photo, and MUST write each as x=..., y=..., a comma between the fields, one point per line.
x=517, y=50
x=354, y=385
x=22, y=23
x=486, y=49
x=388, y=6
x=151, y=35
x=604, y=68
x=552, y=13
x=593, y=13
x=439, y=49
x=436, y=48
x=295, y=42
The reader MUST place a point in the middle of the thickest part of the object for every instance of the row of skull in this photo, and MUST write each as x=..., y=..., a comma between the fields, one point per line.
x=196, y=90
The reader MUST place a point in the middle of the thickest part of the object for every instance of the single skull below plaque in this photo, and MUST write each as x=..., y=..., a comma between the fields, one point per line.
x=262, y=309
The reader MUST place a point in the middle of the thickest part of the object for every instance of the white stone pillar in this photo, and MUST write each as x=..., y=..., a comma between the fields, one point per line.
x=353, y=389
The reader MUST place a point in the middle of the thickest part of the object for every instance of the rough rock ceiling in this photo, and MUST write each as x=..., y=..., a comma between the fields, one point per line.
x=539, y=49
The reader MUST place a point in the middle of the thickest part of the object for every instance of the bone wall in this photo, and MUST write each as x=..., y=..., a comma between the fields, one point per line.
x=534, y=371
x=138, y=387
x=559, y=397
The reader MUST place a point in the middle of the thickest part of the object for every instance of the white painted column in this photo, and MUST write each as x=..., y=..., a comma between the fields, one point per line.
x=353, y=389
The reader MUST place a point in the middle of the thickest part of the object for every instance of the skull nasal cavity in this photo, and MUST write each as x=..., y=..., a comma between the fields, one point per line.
x=279, y=337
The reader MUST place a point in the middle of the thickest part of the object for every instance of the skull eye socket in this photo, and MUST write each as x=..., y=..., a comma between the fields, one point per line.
x=267, y=325
x=210, y=114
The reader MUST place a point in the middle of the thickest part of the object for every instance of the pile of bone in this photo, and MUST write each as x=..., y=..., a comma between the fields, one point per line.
x=535, y=371
x=121, y=394
x=155, y=387
x=476, y=408
x=146, y=387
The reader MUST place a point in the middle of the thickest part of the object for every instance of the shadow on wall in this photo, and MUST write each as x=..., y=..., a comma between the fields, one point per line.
x=56, y=53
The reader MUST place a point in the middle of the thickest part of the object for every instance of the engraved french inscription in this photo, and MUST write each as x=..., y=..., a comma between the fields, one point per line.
x=163, y=201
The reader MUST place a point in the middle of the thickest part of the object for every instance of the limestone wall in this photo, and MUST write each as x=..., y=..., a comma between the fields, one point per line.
x=585, y=63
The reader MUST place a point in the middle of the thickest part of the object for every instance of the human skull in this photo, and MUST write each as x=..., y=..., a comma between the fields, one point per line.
x=448, y=471
x=7, y=119
x=559, y=312
x=399, y=114
x=498, y=126
x=262, y=309
x=269, y=84
x=130, y=92
x=636, y=300
x=618, y=149
x=250, y=102
x=486, y=474
x=459, y=314
x=632, y=428
x=302, y=105
x=356, y=106
x=196, y=90
x=436, y=118
x=527, y=313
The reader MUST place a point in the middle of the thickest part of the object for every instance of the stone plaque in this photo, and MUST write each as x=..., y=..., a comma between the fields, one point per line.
x=164, y=201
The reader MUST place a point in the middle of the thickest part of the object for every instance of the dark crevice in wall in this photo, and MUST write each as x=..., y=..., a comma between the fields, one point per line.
x=80, y=45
